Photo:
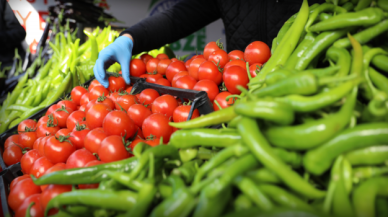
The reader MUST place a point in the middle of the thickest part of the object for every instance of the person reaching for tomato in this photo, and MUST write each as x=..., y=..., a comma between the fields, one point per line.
x=245, y=21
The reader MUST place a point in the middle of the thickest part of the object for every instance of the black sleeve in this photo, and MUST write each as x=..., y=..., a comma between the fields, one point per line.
x=14, y=33
x=183, y=19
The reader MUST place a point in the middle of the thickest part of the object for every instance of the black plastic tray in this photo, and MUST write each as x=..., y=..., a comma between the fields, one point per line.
x=6, y=177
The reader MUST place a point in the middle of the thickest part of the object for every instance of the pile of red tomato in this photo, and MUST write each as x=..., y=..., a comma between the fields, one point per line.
x=100, y=125
x=215, y=71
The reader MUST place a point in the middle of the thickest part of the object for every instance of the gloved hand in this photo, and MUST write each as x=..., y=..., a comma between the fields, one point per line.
x=119, y=51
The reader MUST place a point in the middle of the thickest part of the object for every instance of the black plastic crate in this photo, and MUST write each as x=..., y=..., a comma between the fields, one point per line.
x=6, y=177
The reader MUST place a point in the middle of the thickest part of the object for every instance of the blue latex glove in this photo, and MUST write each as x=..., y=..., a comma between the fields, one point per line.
x=119, y=51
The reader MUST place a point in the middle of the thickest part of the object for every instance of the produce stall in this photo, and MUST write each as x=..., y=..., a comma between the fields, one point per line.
x=298, y=129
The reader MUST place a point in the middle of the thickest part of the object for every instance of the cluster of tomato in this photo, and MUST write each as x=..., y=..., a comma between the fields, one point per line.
x=215, y=71
x=98, y=125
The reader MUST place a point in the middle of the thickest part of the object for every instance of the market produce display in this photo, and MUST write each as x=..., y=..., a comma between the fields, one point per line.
x=304, y=130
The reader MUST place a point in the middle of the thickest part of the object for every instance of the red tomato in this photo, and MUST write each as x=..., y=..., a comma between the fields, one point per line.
x=209, y=87
x=164, y=82
x=126, y=101
x=177, y=76
x=116, y=83
x=135, y=142
x=137, y=67
x=93, y=140
x=79, y=159
x=11, y=140
x=162, y=56
x=93, y=163
x=27, y=139
x=12, y=155
x=36, y=209
x=85, y=99
x=219, y=57
x=128, y=90
x=138, y=113
x=220, y=98
x=50, y=192
x=112, y=149
x=145, y=57
x=162, y=66
x=96, y=114
x=28, y=160
x=194, y=66
x=61, y=115
x=234, y=76
x=37, y=142
x=97, y=92
x=76, y=94
x=152, y=64
x=67, y=104
x=198, y=56
x=147, y=96
x=74, y=117
x=153, y=142
x=107, y=101
x=257, y=52
x=165, y=105
x=56, y=167
x=93, y=84
x=22, y=190
x=187, y=63
x=174, y=68
x=157, y=125
x=210, y=48
x=254, y=69
x=82, y=108
x=208, y=70
x=115, y=95
x=139, y=133
x=17, y=180
x=62, y=132
x=152, y=78
x=236, y=55
x=119, y=123
x=42, y=144
x=240, y=63
x=40, y=166
x=58, y=150
x=181, y=113
x=185, y=82
x=52, y=109
x=26, y=125
x=78, y=135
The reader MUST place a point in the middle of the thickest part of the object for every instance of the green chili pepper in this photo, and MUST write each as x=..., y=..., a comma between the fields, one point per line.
x=256, y=142
x=217, y=117
x=274, y=45
x=302, y=83
x=323, y=41
x=289, y=157
x=315, y=132
x=60, y=90
x=116, y=200
x=349, y=6
x=254, y=192
x=84, y=175
x=266, y=109
x=362, y=173
x=122, y=178
x=242, y=165
x=263, y=175
x=325, y=7
x=222, y=156
x=188, y=170
x=286, y=47
x=212, y=206
x=110, y=184
x=382, y=4
x=180, y=203
x=204, y=137
x=318, y=160
x=276, y=76
x=365, y=35
x=342, y=58
x=324, y=72
x=312, y=103
x=160, y=151
x=366, y=17
x=362, y=4
x=242, y=202
x=373, y=155
x=324, y=16
x=364, y=195
x=144, y=200
x=381, y=62
x=276, y=212
x=284, y=198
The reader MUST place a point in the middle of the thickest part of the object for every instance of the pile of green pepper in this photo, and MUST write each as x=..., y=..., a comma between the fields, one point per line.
x=308, y=138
